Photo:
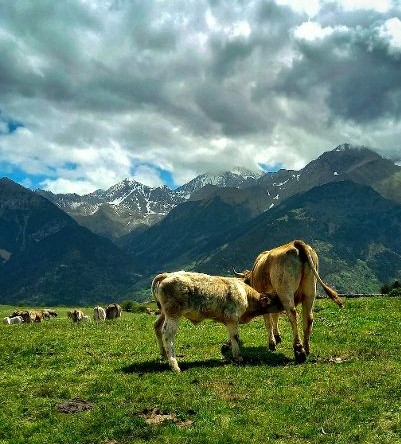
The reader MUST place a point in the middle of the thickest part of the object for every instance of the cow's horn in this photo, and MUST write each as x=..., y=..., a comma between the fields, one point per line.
x=240, y=275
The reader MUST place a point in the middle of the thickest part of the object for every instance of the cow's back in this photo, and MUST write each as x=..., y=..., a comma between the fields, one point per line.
x=198, y=296
x=276, y=269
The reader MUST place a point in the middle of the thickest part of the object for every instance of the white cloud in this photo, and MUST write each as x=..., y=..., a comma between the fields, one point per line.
x=3, y=127
x=311, y=31
x=148, y=176
x=376, y=5
x=391, y=31
x=63, y=186
x=310, y=7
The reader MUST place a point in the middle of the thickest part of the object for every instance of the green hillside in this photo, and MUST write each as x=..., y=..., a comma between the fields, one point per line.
x=356, y=232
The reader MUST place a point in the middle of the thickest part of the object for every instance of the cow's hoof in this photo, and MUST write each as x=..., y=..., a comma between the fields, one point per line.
x=225, y=349
x=238, y=360
x=174, y=366
x=272, y=346
x=277, y=338
x=299, y=353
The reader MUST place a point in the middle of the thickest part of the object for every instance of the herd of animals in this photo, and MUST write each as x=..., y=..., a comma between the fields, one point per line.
x=280, y=279
x=112, y=311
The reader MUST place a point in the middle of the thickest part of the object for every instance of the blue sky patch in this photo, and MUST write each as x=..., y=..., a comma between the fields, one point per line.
x=271, y=168
x=11, y=125
x=17, y=175
x=167, y=178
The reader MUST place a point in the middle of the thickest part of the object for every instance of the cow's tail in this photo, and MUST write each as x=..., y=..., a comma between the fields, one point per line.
x=155, y=286
x=305, y=253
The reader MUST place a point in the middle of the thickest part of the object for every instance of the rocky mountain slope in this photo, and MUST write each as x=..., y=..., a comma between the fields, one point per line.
x=346, y=162
x=130, y=207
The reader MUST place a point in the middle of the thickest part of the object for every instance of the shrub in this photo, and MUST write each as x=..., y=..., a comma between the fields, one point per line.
x=396, y=291
x=133, y=307
x=390, y=287
x=127, y=306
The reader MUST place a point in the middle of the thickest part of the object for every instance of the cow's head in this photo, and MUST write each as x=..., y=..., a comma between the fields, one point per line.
x=264, y=300
x=245, y=276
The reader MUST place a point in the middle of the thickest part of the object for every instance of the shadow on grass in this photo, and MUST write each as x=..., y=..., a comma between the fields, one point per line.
x=253, y=356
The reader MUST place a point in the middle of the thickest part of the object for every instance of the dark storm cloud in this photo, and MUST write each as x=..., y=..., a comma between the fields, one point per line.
x=230, y=109
x=355, y=65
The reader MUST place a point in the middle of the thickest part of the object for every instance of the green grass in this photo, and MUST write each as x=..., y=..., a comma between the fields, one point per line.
x=348, y=391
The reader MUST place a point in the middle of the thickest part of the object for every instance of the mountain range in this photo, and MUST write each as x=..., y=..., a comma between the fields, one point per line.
x=71, y=249
x=130, y=206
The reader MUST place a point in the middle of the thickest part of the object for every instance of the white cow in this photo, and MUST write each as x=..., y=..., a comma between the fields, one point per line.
x=13, y=320
x=99, y=313
x=198, y=296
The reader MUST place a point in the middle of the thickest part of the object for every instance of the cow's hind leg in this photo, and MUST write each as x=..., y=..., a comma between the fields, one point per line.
x=234, y=339
x=307, y=322
x=271, y=323
x=299, y=351
x=158, y=331
x=169, y=331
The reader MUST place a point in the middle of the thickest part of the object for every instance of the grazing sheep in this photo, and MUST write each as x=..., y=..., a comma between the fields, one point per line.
x=38, y=316
x=16, y=320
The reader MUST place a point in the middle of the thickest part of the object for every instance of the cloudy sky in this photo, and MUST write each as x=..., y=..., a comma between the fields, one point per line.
x=92, y=92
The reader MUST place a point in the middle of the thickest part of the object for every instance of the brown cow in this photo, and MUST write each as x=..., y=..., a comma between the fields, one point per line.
x=47, y=313
x=113, y=311
x=290, y=271
x=198, y=296
x=27, y=316
x=75, y=315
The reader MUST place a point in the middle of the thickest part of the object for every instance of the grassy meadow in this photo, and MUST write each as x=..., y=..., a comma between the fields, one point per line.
x=349, y=390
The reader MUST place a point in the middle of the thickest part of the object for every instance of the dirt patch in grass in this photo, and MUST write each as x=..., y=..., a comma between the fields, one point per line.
x=156, y=417
x=75, y=405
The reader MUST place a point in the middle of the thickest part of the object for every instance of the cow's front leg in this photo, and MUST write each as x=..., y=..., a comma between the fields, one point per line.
x=158, y=331
x=234, y=339
x=299, y=351
x=169, y=331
